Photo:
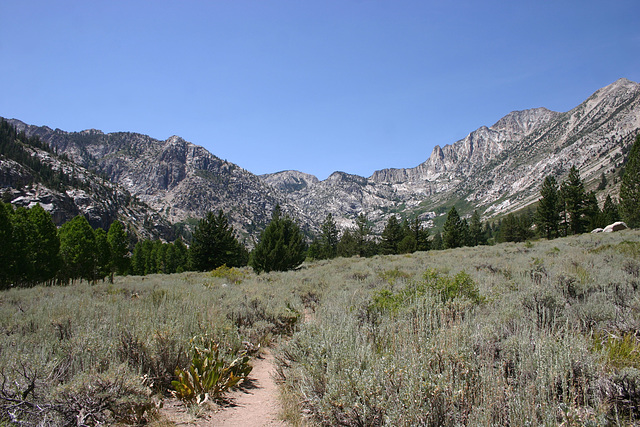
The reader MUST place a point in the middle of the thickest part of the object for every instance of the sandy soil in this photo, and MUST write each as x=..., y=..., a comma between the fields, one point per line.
x=255, y=405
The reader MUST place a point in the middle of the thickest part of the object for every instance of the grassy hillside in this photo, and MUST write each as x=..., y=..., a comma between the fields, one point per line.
x=513, y=334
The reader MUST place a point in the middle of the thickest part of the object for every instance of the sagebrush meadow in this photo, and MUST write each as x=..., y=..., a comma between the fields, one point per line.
x=533, y=333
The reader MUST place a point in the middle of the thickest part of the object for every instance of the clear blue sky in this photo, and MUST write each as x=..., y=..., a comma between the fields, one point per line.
x=316, y=86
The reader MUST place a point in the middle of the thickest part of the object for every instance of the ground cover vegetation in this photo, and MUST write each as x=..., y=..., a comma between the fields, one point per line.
x=537, y=333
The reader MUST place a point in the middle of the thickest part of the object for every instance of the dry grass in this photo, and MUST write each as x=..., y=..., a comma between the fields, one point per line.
x=552, y=338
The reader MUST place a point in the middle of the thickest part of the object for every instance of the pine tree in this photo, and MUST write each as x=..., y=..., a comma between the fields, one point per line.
x=103, y=254
x=348, y=245
x=452, y=233
x=593, y=215
x=630, y=187
x=365, y=248
x=329, y=238
x=23, y=268
x=547, y=214
x=475, y=230
x=391, y=236
x=610, y=211
x=420, y=235
x=214, y=244
x=7, y=247
x=574, y=196
x=138, y=259
x=436, y=244
x=281, y=245
x=78, y=249
x=119, y=247
x=45, y=253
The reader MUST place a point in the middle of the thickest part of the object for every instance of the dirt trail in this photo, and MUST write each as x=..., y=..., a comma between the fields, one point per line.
x=255, y=405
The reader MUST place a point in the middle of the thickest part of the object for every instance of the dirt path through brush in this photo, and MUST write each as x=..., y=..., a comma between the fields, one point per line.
x=255, y=405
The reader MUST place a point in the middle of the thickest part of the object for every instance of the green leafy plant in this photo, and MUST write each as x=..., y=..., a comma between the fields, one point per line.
x=232, y=274
x=209, y=375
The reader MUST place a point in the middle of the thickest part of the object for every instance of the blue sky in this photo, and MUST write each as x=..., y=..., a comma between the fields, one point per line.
x=316, y=86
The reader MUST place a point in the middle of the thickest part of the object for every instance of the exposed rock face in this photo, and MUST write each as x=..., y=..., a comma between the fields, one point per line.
x=495, y=169
x=99, y=200
x=174, y=177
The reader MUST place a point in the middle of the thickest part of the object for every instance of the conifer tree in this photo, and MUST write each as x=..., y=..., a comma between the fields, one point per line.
x=452, y=232
x=547, y=214
x=45, y=252
x=281, y=246
x=630, y=187
x=119, y=247
x=7, y=246
x=78, y=249
x=103, y=254
x=365, y=248
x=610, y=211
x=476, y=236
x=348, y=245
x=391, y=236
x=573, y=195
x=329, y=238
x=214, y=244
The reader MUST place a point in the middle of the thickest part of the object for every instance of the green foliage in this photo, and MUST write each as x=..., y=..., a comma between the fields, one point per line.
x=619, y=350
x=449, y=288
x=281, y=246
x=209, y=375
x=453, y=231
x=392, y=235
x=630, y=187
x=329, y=238
x=119, y=248
x=78, y=249
x=214, y=244
x=231, y=274
x=548, y=211
x=573, y=199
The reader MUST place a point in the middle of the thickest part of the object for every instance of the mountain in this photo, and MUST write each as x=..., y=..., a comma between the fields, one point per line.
x=31, y=173
x=176, y=178
x=495, y=169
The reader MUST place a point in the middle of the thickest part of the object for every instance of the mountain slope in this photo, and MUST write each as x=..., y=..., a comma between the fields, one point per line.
x=181, y=180
x=30, y=173
x=495, y=169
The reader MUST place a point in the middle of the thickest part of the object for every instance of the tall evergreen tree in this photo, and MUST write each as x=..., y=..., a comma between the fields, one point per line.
x=281, y=245
x=329, y=238
x=78, y=249
x=103, y=254
x=119, y=247
x=592, y=213
x=45, y=253
x=23, y=267
x=391, y=236
x=630, y=187
x=573, y=195
x=214, y=244
x=365, y=247
x=138, y=260
x=548, y=213
x=348, y=245
x=420, y=234
x=610, y=211
x=7, y=247
x=476, y=237
x=452, y=232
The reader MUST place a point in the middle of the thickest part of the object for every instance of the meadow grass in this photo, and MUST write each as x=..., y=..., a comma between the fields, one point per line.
x=537, y=333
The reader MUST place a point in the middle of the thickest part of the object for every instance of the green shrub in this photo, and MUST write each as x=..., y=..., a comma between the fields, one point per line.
x=232, y=274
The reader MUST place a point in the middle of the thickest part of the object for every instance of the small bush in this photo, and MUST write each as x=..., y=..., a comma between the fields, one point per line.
x=232, y=274
x=209, y=375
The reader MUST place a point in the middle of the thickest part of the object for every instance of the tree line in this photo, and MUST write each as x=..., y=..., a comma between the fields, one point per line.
x=35, y=251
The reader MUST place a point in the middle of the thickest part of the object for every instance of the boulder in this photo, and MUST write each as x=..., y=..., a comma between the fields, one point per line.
x=616, y=226
x=597, y=230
